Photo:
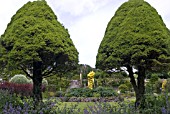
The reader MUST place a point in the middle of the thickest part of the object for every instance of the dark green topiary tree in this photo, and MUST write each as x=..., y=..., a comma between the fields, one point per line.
x=136, y=37
x=36, y=43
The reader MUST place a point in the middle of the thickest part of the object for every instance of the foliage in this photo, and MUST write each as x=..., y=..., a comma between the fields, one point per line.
x=154, y=84
x=105, y=91
x=6, y=75
x=19, y=79
x=45, y=82
x=129, y=85
x=157, y=104
x=112, y=82
x=46, y=107
x=84, y=69
x=27, y=29
x=168, y=83
x=59, y=94
x=55, y=83
x=6, y=97
x=158, y=86
x=86, y=92
x=161, y=74
x=19, y=89
x=135, y=35
x=101, y=74
x=154, y=78
x=37, y=44
x=136, y=38
x=123, y=88
x=79, y=92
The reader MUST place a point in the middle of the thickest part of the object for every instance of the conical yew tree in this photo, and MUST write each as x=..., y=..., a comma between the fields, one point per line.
x=36, y=43
x=136, y=37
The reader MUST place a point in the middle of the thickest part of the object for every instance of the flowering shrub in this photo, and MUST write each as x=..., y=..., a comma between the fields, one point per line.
x=153, y=105
x=5, y=97
x=27, y=107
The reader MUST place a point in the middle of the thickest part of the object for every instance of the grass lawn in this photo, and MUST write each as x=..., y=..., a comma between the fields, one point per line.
x=87, y=105
x=82, y=105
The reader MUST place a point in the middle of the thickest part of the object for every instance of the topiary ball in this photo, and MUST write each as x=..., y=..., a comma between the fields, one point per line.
x=19, y=79
x=44, y=82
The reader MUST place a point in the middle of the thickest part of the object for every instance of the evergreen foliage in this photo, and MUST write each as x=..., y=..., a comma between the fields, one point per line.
x=36, y=43
x=136, y=37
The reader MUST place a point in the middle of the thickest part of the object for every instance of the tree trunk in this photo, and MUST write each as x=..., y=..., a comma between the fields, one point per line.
x=139, y=87
x=37, y=82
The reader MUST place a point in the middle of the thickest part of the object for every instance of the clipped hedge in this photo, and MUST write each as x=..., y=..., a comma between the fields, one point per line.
x=86, y=92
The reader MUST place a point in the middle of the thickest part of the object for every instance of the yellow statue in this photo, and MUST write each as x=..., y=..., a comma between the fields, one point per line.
x=91, y=79
x=164, y=84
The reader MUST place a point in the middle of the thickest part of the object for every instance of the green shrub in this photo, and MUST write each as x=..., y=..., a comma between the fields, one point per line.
x=59, y=94
x=58, y=83
x=96, y=92
x=45, y=82
x=79, y=92
x=123, y=88
x=158, y=86
x=129, y=85
x=154, y=103
x=6, y=97
x=30, y=81
x=149, y=88
x=19, y=79
x=110, y=82
x=51, y=87
x=105, y=91
x=154, y=78
x=168, y=84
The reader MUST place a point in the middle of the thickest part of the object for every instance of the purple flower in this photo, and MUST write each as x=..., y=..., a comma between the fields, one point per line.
x=86, y=111
x=163, y=110
x=41, y=112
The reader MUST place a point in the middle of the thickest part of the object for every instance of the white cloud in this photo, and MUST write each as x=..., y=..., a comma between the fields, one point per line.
x=77, y=7
x=7, y=9
x=88, y=32
x=163, y=9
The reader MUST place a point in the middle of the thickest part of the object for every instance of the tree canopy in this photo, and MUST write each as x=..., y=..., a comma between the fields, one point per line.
x=37, y=43
x=136, y=37
x=34, y=34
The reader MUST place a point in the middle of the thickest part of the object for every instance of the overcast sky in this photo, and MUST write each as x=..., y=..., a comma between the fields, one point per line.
x=86, y=20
